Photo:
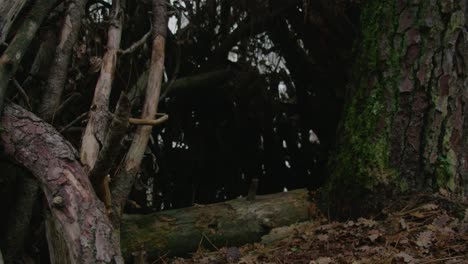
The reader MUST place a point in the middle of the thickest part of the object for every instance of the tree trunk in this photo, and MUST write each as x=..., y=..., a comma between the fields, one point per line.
x=231, y=223
x=59, y=70
x=76, y=212
x=125, y=178
x=405, y=124
x=99, y=116
x=11, y=58
x=9, y=10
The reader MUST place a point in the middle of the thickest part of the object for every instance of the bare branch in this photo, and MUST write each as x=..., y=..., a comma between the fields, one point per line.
x=148, y=122
x=22, y=93
x=11, y=58
x=59, y=70
x=137, y=44
x=99, y=117
x=125, y=178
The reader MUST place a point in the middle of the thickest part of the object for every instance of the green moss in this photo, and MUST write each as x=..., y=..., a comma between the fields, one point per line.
x=361, y=162
x=446, y=170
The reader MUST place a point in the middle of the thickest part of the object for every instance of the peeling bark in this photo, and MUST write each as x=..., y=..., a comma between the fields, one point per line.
x=99, y=116
x=126, y=176
x=404, y=128
x=112, y=145
x=77, y=213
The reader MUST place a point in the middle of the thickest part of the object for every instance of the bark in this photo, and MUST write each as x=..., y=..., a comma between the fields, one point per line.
x=59, y=71
x=76, y=212
x=9, y=10
x=11, y=58
x=125, y=178
x=112, y=145
x=405, y=125
x=99, y=116
x=231, y=223
x=20, y=218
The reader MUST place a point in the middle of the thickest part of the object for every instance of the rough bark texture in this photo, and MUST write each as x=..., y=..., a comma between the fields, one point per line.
x=405, y=125
x=59, y=71
x=112, y=145
x=9, y=10
x=11, y=58
x=125, y=178
x=99, y=115
x=77, y=213
x=230, y=223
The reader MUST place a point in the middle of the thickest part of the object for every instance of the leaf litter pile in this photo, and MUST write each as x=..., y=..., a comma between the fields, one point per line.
x=421, y=229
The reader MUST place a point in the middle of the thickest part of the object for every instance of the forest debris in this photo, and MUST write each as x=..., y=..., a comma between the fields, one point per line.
x=420, y=229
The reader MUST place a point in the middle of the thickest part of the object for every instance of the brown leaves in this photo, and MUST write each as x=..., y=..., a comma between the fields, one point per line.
x=424, y=239
x=422, y=232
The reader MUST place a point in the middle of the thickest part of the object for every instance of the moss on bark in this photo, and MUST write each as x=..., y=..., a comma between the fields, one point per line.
x=402, y=126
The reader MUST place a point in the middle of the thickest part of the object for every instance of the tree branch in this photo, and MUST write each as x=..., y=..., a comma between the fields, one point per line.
x=99, y=117
x=78, y=215
x=59, y=71
x=11, y=58
x=125, y=178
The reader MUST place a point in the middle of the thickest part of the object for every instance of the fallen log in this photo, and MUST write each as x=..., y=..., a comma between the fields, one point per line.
x=231, y=223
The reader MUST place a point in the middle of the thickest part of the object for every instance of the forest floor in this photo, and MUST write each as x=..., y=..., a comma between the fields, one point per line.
x=420, y=229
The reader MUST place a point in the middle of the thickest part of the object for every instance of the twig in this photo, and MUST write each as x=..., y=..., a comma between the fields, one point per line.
x=66, y=102
x=443, y=259
x=215, y=247
x=76, y=120
x=137, y=44
x=148, y=122
x=22, y=92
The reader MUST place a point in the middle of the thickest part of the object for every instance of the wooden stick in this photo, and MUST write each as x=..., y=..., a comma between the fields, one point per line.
x=148, y=122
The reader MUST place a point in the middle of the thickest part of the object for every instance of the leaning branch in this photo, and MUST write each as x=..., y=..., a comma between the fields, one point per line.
x=148, y=122
x=125, y=178
x=99, y=115
x=11, y=58
x=59, y=70
x=77, y=213
x=9, y=11
x=112, y=145
x=136, y=45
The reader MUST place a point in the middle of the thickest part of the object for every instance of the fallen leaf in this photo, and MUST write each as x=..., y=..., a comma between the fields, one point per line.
x=403, y=224
x=323, y=237
x=367, y=222
x=429, y=207
x=324, y=260
x=417, y=214
x=373, y=235
x=405, y=256
x=424, y=239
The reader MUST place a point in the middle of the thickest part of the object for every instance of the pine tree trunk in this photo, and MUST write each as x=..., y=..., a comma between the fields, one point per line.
x=405, y=124
x=81, y=231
